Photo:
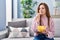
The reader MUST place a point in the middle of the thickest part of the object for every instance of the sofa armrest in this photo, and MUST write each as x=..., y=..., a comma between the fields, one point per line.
x=4, y=33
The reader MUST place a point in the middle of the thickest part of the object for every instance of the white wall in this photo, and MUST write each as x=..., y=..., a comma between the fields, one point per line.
x=8, y=11
x=2, y=15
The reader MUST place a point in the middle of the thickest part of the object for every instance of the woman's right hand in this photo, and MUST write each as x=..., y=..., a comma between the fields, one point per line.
x=38, y=32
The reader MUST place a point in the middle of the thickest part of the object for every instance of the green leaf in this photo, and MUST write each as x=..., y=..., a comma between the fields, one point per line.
x=28, y=8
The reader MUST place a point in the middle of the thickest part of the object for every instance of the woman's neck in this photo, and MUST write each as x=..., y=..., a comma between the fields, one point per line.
x=43, y=15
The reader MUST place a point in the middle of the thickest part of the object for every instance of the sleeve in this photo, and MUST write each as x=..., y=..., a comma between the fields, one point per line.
x=34, y=25
x=51, y=29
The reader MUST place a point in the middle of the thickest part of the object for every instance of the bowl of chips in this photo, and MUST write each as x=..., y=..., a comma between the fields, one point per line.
x=41, y=28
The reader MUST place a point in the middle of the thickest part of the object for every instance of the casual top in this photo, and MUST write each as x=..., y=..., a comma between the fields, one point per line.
x=49, y=29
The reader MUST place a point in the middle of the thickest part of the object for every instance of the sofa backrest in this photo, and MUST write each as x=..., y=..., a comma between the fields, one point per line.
x=57, y=26
x=15, y=23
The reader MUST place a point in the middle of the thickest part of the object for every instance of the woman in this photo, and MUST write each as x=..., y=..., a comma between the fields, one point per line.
x=43, y=18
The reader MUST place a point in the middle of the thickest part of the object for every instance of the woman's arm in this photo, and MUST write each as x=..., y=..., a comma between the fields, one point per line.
x=51, y=29
x=33, y=27
x=35, y=23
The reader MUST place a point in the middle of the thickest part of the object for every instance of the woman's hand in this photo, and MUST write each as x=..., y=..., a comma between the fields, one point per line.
x=39, y=14
x=45, y=32
x=38, y=32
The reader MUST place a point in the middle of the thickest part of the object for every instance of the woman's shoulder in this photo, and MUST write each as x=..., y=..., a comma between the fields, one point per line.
x=51, y=19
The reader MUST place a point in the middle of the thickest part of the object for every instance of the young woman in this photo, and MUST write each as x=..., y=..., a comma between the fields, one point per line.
x=43, y=18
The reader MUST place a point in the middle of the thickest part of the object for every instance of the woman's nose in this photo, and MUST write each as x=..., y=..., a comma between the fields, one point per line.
x=41, y=10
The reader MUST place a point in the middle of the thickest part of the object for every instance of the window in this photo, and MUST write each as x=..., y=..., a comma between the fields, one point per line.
x=17, y=8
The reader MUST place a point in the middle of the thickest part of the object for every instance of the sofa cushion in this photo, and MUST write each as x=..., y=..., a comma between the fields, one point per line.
x=19, y=32
x=30, y=38
x=21, y=23
x=29, y=23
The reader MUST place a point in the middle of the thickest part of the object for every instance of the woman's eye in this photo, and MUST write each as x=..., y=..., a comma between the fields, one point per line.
x=42, y=8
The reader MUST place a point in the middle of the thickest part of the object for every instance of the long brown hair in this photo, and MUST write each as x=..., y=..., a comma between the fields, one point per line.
x=47, y=11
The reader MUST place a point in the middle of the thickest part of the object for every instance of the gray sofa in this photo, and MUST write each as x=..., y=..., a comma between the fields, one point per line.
x=17, y=23
x=4, y=34
x=28, y=23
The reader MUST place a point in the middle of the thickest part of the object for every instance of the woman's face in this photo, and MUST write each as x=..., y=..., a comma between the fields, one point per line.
x=42, y=10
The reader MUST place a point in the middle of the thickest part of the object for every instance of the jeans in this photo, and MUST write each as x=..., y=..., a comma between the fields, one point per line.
x=42, y=37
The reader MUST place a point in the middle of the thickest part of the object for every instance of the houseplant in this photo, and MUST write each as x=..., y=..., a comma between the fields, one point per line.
x=27, y=8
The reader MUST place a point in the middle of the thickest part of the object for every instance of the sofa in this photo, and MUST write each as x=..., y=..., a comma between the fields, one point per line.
x=4, y=34
x=27, y=23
